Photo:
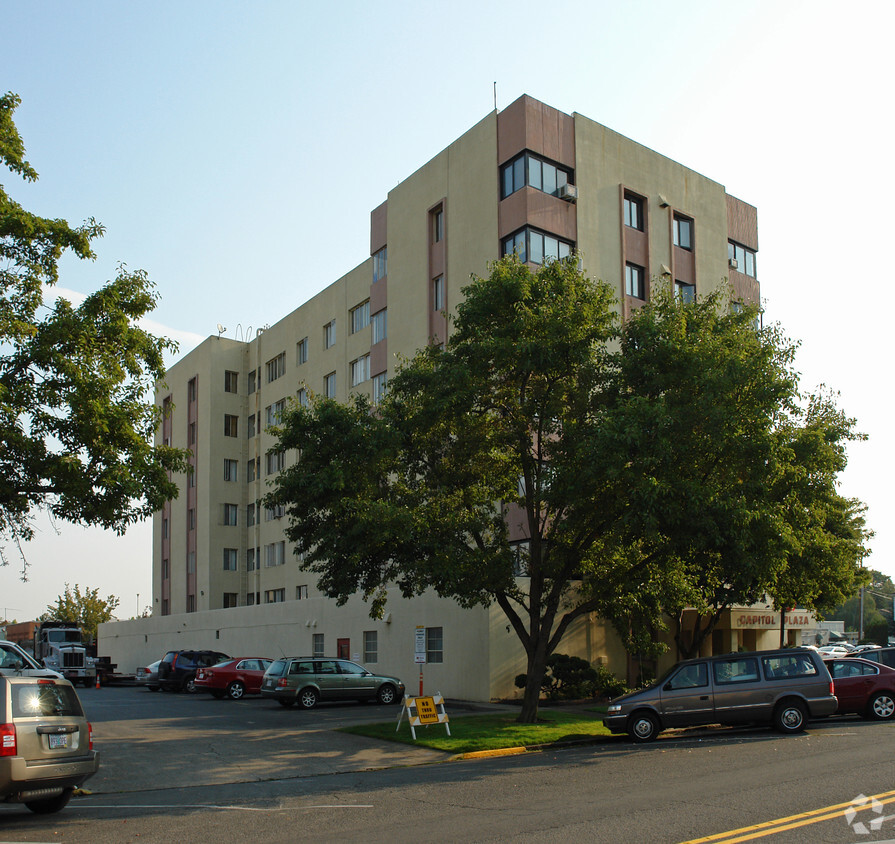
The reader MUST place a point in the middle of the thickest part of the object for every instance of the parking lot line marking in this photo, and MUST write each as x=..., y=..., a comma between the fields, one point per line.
x=225, y=808
x=749, y=833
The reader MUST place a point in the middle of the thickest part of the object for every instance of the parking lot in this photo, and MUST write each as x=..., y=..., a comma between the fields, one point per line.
x=153, y=740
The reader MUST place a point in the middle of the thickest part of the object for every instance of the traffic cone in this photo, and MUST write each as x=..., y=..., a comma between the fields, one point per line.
x=97, y=679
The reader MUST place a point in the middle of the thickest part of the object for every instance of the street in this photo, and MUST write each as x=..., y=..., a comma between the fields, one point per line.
x=207, y=770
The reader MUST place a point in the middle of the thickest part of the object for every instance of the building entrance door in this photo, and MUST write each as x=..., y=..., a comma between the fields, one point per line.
x=343, y=648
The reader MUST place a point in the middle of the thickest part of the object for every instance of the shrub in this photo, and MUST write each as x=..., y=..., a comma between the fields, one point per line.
x=572, y=678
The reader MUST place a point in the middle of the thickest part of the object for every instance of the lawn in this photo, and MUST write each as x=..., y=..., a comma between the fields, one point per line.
x=491, y=732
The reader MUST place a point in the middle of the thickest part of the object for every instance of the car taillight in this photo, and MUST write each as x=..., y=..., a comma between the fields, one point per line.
x=89, y=736
x=832, y=688
x=282, y=682
x=8, y=740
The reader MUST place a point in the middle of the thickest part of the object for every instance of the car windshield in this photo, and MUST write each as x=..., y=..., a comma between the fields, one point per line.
x=277, y=668
x=42, y=698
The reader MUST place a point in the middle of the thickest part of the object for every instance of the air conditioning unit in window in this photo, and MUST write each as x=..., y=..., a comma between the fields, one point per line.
x=732, y=263
x=568, y=192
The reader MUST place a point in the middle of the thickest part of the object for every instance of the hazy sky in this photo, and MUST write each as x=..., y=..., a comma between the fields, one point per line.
x=235, y=150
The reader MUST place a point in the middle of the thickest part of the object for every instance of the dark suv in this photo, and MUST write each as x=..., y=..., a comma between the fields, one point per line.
x=46, y=745
x=177, y=670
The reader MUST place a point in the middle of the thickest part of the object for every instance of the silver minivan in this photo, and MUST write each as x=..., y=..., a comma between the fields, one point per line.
x=782, y=688
x=46, y=744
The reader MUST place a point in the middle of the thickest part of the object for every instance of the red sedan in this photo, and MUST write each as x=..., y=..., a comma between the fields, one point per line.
x=862, y=686
x=233, y=677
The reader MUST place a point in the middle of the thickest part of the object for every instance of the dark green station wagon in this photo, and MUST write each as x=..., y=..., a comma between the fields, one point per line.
x=305, y=680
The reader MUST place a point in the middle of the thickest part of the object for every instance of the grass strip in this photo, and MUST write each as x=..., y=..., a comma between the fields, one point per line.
x=470, y=733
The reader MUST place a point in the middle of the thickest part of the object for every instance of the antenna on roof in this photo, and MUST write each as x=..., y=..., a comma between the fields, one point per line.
x=221, y=329
x=495, y=95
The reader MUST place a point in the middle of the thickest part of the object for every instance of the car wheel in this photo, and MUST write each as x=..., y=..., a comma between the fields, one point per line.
x=643, y=726
x=387, y=694
x=307, y=698
x=189, y=686
x=790, y=717
x=51, y=804
x=881, y=707
x=286, y=702
x=236, y=690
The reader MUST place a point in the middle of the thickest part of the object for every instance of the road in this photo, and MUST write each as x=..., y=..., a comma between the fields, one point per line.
x=686, y=786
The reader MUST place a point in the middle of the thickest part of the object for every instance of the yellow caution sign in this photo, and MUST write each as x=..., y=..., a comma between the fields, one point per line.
x=423, y=711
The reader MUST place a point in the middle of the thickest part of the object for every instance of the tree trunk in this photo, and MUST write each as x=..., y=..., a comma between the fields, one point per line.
x=534, y=677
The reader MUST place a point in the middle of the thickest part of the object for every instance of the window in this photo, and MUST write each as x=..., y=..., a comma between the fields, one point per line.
x=683, y=232
x=251, y=382
x=371, y=646
x=521, y=551
x=790, y=665
x=434, y=644
x=251, y=471
x=380, y=326
x=192, y=433
x=231, y=556
x=231, y=468
x=536, y=247
x=302, y=397
x=191, y=478
x=274, y=412
x=231, y=514
x=275, y=554
x=250, y=428
x=318, y=644
x=329, y=385
x=275, y=512
x=191, y=518
x=360, y=317
x=301, y=593
x=380, y=264
x=634, y=281
x=166, y=569
x=438, y=225
x=231, y=381
x=329, y=334
x=250, y=559
x=685, y=293
x=276, y=367
x=231, y=599
x=231, y=425
x=438, y=294
x=690, y=677
x=192, y=390
x=633, y=212
x=191, y=562
x=164, y=528
x=528, y=169
x=274, y=596
x=736, y=670
x=276, y=460
x=360, y=370
x=741, y=258
x=250, y=515
x=190, y=603
x=379, y=385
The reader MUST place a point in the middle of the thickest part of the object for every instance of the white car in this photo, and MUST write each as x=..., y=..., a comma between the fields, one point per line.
x=14, y=662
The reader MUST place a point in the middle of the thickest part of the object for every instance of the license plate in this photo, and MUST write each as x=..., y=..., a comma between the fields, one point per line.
x=58, y=741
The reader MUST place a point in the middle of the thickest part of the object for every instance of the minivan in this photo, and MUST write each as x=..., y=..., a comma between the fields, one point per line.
x=782, y=688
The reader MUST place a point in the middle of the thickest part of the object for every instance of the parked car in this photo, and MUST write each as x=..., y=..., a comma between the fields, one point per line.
x=46, y=743
x=15, y=662
x=306, y=680
x=148, y=676
x=861, y=648
x=782, y=687
x=835, y=650
x=885, y=656
x=234, y=678
x=177, y=669
x=863, y=686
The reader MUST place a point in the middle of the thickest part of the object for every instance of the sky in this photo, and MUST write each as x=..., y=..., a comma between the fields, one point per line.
x=235, y=150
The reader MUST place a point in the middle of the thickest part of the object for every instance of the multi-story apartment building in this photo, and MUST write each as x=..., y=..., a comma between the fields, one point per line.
x=528, y=179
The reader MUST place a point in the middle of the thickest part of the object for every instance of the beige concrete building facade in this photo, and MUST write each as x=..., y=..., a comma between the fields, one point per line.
x=529, y=179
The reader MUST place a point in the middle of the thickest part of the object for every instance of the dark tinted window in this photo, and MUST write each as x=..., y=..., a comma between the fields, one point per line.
x=351, y=668
x=327, y=666
x=735, y=670
x=301, y=668
x=690, y=677
x=277, y=668
x=43, y=698
x=788, y=665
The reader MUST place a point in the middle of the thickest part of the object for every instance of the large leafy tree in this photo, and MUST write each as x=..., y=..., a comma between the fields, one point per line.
x=76, y=426
x=635, y=459
x=86, y=609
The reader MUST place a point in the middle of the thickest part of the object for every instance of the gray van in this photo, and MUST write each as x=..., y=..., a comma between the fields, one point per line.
x=782, y=688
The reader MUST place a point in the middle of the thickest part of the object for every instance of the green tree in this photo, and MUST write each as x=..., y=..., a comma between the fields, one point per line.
x=76, y=426
x=86, y=609
x=635, y=458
